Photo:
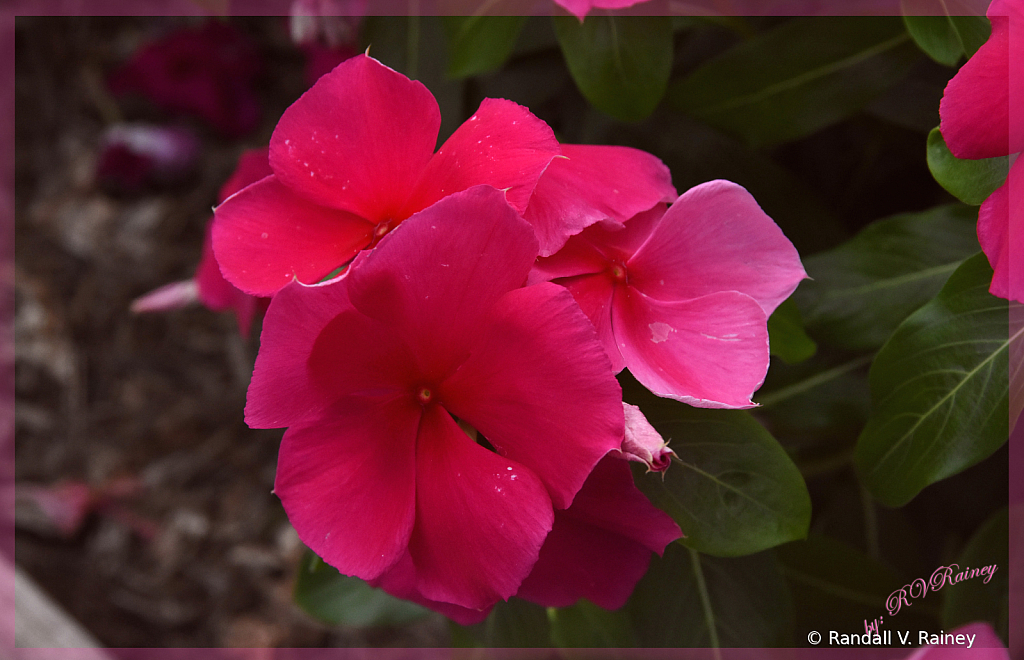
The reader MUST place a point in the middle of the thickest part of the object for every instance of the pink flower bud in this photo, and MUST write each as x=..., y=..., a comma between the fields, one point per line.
x=642, y=443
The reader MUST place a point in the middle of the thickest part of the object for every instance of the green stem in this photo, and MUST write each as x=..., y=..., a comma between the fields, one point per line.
x=705, y=601
x=772, y=398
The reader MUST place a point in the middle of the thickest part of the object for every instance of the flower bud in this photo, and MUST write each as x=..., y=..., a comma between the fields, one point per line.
x=642, y=443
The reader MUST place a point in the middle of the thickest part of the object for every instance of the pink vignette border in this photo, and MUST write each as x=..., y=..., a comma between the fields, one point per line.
x=9, y=9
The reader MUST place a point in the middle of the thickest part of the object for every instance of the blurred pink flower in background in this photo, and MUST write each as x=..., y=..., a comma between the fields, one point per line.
x=133, y=156
x=208, y=286
x=209, y=72
x=580, y=8
x=982, y=116
x=326, y=31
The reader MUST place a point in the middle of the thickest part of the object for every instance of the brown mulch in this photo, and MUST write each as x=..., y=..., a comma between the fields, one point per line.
x=202, y=555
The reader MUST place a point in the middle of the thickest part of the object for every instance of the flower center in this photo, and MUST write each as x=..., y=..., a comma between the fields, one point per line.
x=382, y=229
x=425, y=395
x=618, y=271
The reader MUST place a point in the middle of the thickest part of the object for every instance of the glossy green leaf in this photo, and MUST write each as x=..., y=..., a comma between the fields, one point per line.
x=326, y=594
x=692, y=600
x=732, y=489
x=478, y=44
x=862, y=290
x=970, y=181
x=513, y=624
x=837, y=587
x=621, y=64
x=798, y=78
x=585, y=625
x=972, y=31
x=939, y=389
x=937, y=37
x=787, y=337
x=973, y=599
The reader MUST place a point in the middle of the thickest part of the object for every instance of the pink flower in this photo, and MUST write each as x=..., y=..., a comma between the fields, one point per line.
x=352, y=158
x=682, y=296
x=580, y=8
x=982, y=116
x=208, y=72
x=370, y=372
x=985, y=645
x=208, y=286
x=590, y=183
x=598, y=549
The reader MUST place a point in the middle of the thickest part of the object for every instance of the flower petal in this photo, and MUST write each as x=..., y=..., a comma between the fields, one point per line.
x=265, y=236
x=538, y=385
x=1001, y=234
x=401, y=581
x=502, y=145
x=593, y=293
x=436, y=274
x=480, y=518
x=593, y=183
x=974, y=113
x=306, y=361
x=348, y=482
x=357, y=140
x=600, y=547
x=716, y=238
x=711, y=352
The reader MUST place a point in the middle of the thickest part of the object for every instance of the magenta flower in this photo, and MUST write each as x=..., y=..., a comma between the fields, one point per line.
x=208, y=286
x=682, y=296
x=580, y=8
x=982, y=116
x=133, y=156
x=208, y=72
x=352, y=158
x=371, y=371
x=590, y=183
x=598, y=549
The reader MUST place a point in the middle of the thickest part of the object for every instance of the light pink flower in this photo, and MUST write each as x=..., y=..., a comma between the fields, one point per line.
x=370, y=372
x=982, y=116
x=352, y=158
x=681, y=297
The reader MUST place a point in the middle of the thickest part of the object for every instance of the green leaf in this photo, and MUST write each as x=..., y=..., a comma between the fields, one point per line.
x=973, y=599
x=585, y=625
x=798, y=78
x=939, y=389
x=326, y=594
x=621, y=64
x=973, y=32
x=937, y=37
x=862, y=290
x=513, y=624
x=692, y=600
x=970, y=181
x=733, y=490
x=837, y=587
x=788, y=340
x=478, y=44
